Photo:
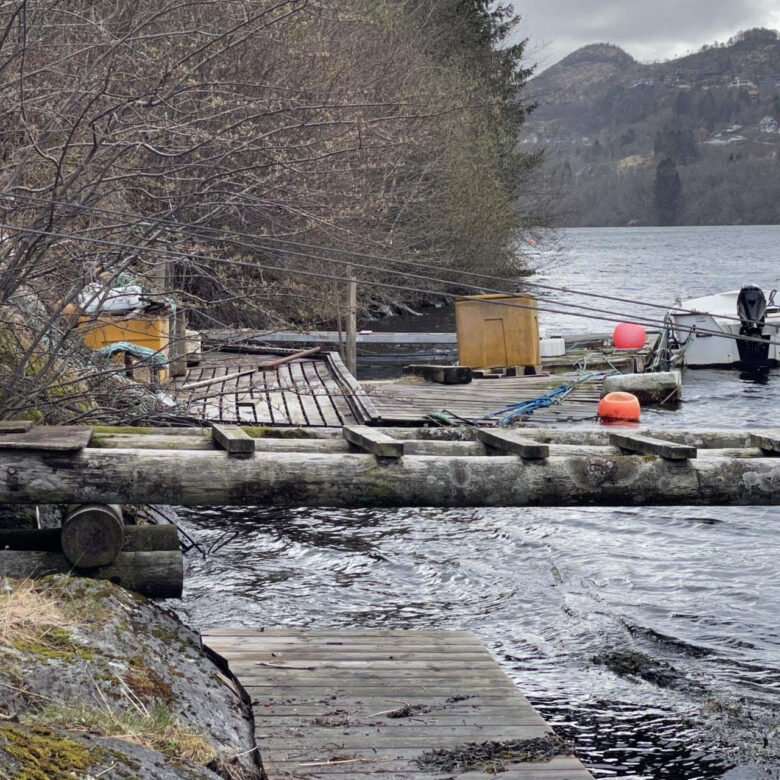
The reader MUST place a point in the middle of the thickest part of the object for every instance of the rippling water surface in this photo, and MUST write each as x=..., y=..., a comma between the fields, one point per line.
x=692, y=595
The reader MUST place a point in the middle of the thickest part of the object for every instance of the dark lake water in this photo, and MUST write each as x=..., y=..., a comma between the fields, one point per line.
x=552, y=592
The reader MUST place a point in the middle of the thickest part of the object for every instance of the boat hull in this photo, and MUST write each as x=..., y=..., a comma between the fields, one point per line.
x=708, y=350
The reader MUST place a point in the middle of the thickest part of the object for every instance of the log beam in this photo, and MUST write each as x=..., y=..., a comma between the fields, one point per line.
x=154, y=574
x=137, y=538
x=210, y=478
x=92, y=534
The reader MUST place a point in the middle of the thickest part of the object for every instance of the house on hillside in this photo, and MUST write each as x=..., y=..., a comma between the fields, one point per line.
x=738, y=83
x=768, y=125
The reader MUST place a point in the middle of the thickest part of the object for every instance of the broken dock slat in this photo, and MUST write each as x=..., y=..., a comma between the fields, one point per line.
x=768, y=444
x=649, y=445
x=512, y=443
x=387, y=703
x=63, y=438
x=373, y=441
x=232, y=439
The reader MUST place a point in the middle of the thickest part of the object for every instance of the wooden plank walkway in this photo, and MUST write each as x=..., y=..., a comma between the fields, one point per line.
x=365, y=703
x=410, y=401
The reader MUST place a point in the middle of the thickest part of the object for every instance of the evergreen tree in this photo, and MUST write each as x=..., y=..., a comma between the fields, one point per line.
x=667, y=192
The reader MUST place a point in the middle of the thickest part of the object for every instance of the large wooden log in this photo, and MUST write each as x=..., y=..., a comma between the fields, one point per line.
x=92, y=534
x=137, y=538
x=154, y=574
x=356, y=480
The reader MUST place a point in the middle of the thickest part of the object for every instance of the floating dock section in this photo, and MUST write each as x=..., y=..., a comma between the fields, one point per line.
x=388, y=703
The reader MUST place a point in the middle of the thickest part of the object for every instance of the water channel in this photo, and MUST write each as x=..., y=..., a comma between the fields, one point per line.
x=691, y=594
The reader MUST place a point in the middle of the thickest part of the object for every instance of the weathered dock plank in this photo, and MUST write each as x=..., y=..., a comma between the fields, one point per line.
x=354, y=704
x=766, y=442
x=651, y=445
x=513, y=443
x=373, y=441
x=232, y=439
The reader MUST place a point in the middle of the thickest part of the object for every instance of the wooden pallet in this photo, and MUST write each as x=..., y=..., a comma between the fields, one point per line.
x=331, y=703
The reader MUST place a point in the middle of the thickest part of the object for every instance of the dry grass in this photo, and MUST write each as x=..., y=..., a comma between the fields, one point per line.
x=29, y=614
x=154, y=728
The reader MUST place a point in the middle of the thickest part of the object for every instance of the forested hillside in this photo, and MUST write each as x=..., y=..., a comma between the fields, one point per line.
x=691, y=141
x=210, y=132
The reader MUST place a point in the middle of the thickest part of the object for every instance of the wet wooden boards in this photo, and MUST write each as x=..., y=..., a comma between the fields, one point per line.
x=360, y=703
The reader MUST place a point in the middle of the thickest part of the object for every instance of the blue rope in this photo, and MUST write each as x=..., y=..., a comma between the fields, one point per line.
x=135, y=350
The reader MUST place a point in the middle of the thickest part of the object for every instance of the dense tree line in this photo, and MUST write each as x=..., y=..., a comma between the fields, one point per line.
x=218, y=128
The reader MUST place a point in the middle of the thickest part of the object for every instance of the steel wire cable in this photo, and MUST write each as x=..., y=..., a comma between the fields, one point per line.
x=190, y=256
x=227, y=235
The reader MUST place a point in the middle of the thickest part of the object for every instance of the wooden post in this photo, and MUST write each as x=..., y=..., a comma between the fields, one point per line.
x=351, y=356
x=92, y=535
x=178, y=343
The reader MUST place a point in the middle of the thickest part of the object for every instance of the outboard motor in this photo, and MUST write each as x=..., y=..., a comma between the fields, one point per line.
x=751, y=309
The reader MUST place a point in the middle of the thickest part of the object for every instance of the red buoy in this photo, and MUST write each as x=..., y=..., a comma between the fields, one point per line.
x=629, y=335
x=619, y=406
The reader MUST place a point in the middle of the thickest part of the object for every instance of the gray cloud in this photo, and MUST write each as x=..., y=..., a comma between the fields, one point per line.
x=646, y=29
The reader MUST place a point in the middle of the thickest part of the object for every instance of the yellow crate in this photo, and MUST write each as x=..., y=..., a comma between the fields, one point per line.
x=151, y=331
x=497, y=331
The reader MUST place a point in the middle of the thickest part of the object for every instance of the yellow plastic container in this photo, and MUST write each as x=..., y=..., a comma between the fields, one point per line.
x=497, y=331
x=151, y=331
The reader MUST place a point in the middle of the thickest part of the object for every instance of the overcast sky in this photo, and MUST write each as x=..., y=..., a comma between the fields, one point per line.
x=646, y=29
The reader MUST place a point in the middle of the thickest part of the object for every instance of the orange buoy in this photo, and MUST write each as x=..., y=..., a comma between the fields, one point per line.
x=629, y=335
x=619, y=406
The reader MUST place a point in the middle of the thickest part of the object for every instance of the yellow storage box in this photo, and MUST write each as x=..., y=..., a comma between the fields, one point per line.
x=150, y=331
x=497, y=331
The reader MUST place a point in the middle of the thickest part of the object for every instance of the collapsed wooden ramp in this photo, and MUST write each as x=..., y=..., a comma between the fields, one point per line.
x=390, y=704
x=313, y=391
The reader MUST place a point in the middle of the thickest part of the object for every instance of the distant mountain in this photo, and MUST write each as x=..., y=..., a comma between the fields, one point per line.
x=693, y=140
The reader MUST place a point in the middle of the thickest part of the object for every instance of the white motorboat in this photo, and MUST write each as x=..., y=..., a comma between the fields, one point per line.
x=749, y=313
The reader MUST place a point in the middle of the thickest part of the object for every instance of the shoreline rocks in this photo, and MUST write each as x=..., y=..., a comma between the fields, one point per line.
x=96, y=678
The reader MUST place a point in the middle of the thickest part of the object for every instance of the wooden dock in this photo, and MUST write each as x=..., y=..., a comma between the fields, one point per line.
x=319, y=391
x=366, y=703
x=410, y=402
